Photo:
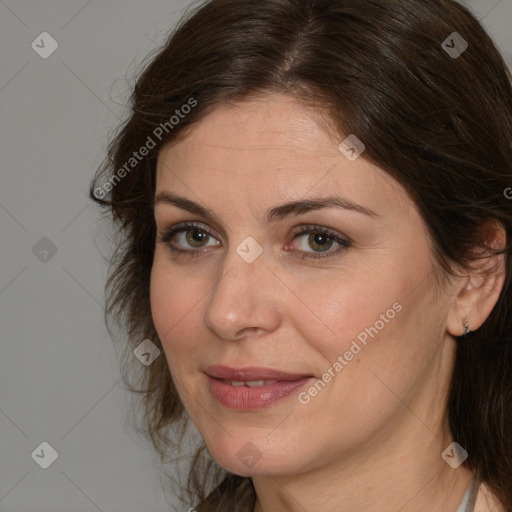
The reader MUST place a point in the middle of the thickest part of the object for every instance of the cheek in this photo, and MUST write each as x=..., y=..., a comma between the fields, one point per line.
x=377, y=327
x=386, y=343
x=343, y=311
x=175, y=303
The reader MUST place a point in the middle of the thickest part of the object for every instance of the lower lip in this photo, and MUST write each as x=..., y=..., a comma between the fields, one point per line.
x=244, y=397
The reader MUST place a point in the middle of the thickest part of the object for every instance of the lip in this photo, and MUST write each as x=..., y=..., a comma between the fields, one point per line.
x=252, y=373
x=247, y=398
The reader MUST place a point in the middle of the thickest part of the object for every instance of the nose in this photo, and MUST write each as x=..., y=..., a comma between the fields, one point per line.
x=245, y=299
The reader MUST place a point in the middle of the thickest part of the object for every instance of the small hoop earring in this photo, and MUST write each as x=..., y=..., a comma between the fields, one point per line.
x=466, y=329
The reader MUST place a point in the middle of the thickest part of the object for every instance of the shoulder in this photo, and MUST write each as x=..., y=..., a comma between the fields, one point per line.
x=486, y=501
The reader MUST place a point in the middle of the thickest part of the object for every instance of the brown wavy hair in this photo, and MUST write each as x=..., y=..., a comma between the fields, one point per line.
x=440, y=124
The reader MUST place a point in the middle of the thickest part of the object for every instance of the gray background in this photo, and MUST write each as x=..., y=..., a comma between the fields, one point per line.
x=59, y=370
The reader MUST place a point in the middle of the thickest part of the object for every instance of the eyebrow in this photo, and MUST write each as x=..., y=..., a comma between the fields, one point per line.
x=273, y=214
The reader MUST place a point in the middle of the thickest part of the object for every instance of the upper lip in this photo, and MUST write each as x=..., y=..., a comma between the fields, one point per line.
x=252, y=373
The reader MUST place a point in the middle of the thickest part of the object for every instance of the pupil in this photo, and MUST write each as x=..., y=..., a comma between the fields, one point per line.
x=320, y=239
x=197, y=236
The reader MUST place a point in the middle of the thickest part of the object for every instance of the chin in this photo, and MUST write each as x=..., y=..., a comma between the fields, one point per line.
x=243, y=455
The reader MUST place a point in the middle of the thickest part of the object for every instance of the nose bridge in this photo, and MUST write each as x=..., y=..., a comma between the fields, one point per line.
x=242, y=297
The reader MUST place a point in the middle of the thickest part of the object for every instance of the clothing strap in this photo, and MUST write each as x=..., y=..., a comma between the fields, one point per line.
x=468, y=501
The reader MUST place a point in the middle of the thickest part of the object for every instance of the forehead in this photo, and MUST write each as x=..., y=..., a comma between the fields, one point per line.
x=269, y=146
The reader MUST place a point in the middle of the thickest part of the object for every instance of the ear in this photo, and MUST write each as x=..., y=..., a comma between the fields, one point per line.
x=479, y=290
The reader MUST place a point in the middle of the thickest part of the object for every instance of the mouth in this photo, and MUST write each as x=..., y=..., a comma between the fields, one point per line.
x=252, y=387
x=250, y=383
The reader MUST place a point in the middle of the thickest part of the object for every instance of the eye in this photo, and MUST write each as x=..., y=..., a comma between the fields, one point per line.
x=189, y=234
x=319, y=239
x=191, y=238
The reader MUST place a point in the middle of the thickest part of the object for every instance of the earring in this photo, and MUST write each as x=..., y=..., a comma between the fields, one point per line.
x=466, y=329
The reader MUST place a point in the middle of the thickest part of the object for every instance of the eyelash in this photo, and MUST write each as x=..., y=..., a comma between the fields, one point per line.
x=167, y=237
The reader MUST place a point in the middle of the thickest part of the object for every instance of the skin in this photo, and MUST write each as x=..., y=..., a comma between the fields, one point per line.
x=372, y=438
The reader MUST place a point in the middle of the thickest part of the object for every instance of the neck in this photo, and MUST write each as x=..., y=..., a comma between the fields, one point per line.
x=404, y=475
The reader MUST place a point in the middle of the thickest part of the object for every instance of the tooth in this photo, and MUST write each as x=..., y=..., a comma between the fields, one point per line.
x=250, y=383
x=253, y=383
x=236, y=382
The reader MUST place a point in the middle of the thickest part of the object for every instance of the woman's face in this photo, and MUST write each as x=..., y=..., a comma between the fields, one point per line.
x=330, y=310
